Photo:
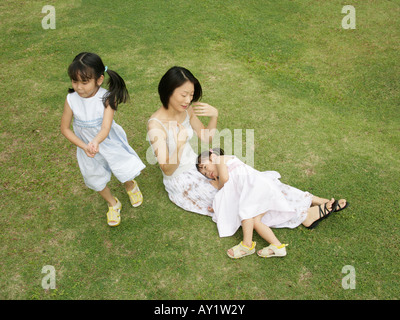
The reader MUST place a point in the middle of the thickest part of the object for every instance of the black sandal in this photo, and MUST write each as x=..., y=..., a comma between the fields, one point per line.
x=324, y=213
x=339, y=208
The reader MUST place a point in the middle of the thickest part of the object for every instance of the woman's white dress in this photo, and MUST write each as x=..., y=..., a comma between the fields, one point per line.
x=115, y=154
x=249, y=193
x=187, y=187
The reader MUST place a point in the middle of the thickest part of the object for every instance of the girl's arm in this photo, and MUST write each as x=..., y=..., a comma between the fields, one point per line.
x=158, y=140
x=108, y=117
x=201, y=109
x=223, y=174
x=65, y=127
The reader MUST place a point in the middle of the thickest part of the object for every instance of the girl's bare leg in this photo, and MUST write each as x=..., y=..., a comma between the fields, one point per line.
x=265, y=232
x=106, y=194
x=247, y=227
x=129, y=185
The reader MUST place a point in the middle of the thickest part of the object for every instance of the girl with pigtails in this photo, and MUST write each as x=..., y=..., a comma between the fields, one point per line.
x=102, y=145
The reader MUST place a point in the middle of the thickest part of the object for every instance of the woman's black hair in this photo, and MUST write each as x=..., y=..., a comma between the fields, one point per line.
x=87, y=66
x=207, y=154
x=174, y=78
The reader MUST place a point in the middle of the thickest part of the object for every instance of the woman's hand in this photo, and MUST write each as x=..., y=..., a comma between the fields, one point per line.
x=204, y=110
x=205, y=133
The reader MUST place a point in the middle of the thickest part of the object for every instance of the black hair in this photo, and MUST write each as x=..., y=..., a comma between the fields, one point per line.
x=174, y=78
x=207, y=154
x=87, y=66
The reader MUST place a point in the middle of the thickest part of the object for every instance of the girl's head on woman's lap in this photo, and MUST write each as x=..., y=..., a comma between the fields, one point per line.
x=174, y=78
x=87, y=67
x=205, y=158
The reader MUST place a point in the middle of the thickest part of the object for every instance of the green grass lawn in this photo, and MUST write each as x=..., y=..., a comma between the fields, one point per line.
x=324, y=106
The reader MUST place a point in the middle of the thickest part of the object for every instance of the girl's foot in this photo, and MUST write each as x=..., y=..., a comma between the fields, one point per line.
x=240, y=250
x=113, y=214
x=273, y=251
x=135, y=196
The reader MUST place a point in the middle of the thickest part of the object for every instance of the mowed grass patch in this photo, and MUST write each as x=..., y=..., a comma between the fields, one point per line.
x=322, y=103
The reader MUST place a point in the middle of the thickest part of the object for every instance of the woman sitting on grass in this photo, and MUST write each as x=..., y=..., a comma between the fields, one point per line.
x=258, y=200
x=169, y=130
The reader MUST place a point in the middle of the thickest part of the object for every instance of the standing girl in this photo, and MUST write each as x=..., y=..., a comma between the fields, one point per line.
x=102, y=146
x=258, y=200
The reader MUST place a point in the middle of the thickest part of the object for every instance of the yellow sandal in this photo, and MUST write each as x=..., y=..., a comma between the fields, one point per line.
x=279, y=251
x=135, y=196
x=113, y=214
x=240, y=250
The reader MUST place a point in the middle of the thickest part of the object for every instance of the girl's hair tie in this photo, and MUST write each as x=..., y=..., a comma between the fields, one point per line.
x=211, y=150
x=105, y=70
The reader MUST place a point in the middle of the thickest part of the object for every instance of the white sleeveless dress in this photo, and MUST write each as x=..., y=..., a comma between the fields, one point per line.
x=187, y=187
x=249, y=193
x=115, y=154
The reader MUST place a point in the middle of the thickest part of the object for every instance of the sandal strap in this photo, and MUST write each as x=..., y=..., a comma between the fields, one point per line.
x=339, y=207
x=238, y=249
x=136, y=194
x=113, y=215
x=323, y=213
x=277, y=251
x=135, y=197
